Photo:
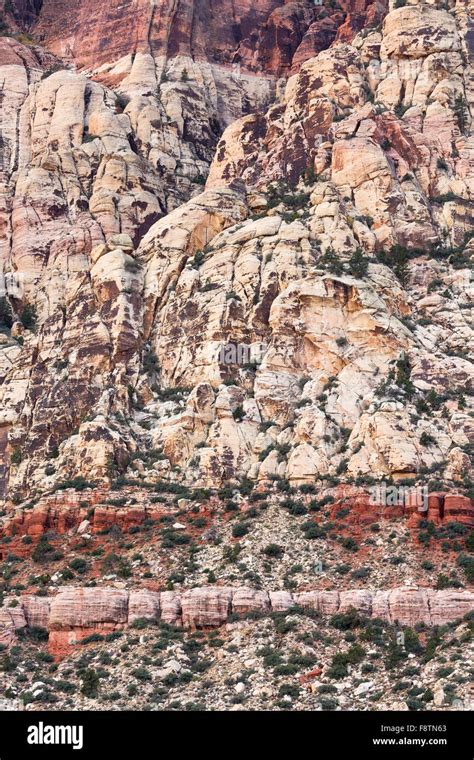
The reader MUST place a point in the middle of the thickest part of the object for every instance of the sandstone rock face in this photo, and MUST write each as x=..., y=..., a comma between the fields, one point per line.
x=143, y=604
x=170, y=605
x=385, y=162
x=11, y=620
x=37, y=611
x=74, y=613
x=446, y=604
x=408, y=607
x=265, y=37
x=325, y=602
x=247, y=600
x=130, y=296
x=281, y=601
x=86, y=607
x=206, y=608
x=236, y=248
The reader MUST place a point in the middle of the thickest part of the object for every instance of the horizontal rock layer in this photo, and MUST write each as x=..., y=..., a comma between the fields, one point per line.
x=75, y=613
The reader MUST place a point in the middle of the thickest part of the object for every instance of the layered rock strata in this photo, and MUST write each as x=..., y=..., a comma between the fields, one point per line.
x=76, y=613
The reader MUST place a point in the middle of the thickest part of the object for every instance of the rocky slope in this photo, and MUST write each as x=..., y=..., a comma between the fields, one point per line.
x=237, y=259
x=288, y=658
x=77, y=612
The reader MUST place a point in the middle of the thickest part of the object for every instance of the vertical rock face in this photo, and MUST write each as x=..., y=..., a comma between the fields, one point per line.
x=87, y=607
x=446, y=605
x=263, y=37
x=408, y=607
x=12, y=619
x=37, y=611
x=206, y=608
x=247, y=600
x=236, y=244
x=170, y=605
x=126, y=293
x=143, y=604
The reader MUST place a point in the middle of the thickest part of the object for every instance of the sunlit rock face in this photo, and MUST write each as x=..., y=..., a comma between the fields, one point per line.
x=126, y=277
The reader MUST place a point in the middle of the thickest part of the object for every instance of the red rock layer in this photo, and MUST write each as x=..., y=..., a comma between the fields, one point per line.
x=266, y=36
x=65, y=511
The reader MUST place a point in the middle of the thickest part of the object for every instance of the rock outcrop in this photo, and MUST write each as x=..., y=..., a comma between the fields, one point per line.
x=117, y=274
x=236, y=247
x=76, y=613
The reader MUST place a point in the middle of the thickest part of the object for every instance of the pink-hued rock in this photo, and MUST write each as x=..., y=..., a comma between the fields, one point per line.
x=11, y=620
x=361, y=600
x=458, y=508
x=415, y=32
x=37, y=610
x=265, y=37
x=76, y=613
x=329, y=602
x=310, y=599
x=380, y=605
x=170, y=603
x=17, y=614
x=248, y=600
x=281, y=601
x=325, y=602
x=143, y=604
x=8, y=626
x=448, y=605
x=206, y=607
x=409, y=606
x=86, y=607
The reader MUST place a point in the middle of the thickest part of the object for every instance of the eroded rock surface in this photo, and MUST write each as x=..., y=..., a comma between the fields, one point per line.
x=75, y=613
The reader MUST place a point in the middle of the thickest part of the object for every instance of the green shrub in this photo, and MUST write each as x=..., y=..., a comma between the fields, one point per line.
x=350, y=544
x=273, y=550
x=29, y=316
x=345, y=621
x=90, y=683
x=6, y=315
x=79, y=565
x=43, y=551
x=330, y=262
x=289, y=690
x=16, y=456
x=37, y=633
x=141, y=674
x=358, y=264
x=240, y=529
x=426, y=439
x=92, y=638
x=52, y=70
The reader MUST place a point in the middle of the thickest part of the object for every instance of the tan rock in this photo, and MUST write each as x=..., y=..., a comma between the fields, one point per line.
x=248, y=600
x=143, y=604
x=87, y=607
x=170, y=606
x=281, y=601
x=206, y=607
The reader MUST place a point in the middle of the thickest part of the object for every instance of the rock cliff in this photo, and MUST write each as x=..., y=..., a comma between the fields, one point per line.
x=235, y=311
x=76, y=613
